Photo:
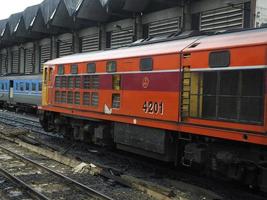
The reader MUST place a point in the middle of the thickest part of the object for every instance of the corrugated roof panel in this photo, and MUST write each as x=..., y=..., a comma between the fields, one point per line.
x=13, y=21
x=29, y=14
x=48, y=7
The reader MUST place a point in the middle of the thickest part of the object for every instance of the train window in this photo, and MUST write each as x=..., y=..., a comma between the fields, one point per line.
x=146, y=64
x=86, y=98
x=3, y=86
x=86, y=82
x=21, y=86
x=111, y=66
x=70, y=82
x=27, y=86
x=77, y=82
x=219, y=59
x=63, y=97
x=33, y=86
x=0, y=86
x=91, y=68
x=61, y=70
x=77, y=98
x=40, y=86
x=57, y=82
x=95, y=82
x=74, y=69
x=116, y=82
x=95, y=99
x=116, y=100
x=70, y=98
x=6, y=86
x=63, y=82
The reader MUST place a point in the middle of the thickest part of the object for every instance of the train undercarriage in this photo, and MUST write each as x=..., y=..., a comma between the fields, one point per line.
x=242, y=162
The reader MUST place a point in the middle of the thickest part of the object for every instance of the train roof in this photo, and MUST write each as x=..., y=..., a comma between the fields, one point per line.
x=228, y=40
x=204, y=42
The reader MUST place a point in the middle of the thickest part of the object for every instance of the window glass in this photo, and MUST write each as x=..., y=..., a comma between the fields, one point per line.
x=91, y=67
x=219, y=59
x=95, y=99
x=3, y=86
x=27, y=86
x=21, y=86
x=61, y=70
x=111, y=66
x=74, y=69
x=33, y=86
x=146, y=64
x=40, y=86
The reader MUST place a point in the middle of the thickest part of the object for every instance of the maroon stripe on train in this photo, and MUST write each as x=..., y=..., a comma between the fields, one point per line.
x=168, y=81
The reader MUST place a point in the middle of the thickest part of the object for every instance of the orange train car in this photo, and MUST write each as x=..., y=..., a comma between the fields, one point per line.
x=197, y=100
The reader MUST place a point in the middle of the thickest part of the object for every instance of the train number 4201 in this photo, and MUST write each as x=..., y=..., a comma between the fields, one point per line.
x=153, y=107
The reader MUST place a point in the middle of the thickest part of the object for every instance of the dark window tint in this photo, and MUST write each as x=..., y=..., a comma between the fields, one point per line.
x=40, y=86
x=219, y=59
x=146, y=64
x=27, y=86
x=33, y=86
x=74, y=69
x=111, y=66
x=61, y=69
x=91, y=67
x=21, y=85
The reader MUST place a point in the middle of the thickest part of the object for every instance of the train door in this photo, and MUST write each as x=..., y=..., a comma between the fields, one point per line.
x=11, y=91
x=47, y=85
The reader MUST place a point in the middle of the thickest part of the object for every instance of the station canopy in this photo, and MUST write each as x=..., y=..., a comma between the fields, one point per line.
x=60, y=16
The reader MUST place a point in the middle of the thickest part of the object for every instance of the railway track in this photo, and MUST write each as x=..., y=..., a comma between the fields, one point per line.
x=40, y=182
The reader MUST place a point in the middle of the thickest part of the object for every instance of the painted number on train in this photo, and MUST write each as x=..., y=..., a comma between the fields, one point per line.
x=153, y=107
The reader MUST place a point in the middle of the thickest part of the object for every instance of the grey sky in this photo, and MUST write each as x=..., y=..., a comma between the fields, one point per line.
x=8, y=7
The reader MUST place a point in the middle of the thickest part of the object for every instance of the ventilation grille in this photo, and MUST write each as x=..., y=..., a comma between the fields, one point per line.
x=45, y=54
x=222, y=19
x=70, y=98
x=164, y=27
x=86, y=98
x=65, y=48
x=122, y=37
x=3, y=63
x=77, y=98
x=57, y=97
x=29, y=59
x=90, y=43
x=15, y=62
x=95, y=99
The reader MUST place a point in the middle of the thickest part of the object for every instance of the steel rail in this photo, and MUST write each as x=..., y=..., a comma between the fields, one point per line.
x=82, y=187
x=28, y=189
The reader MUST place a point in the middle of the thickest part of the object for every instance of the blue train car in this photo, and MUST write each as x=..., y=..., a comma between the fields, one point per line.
x=21, y=92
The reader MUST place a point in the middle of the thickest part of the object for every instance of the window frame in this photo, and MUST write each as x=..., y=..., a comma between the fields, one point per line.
x=93, y=66
x=76, y=67
x=214, y=65
x=61, y=70
x=141, y=67
x=112, y=70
